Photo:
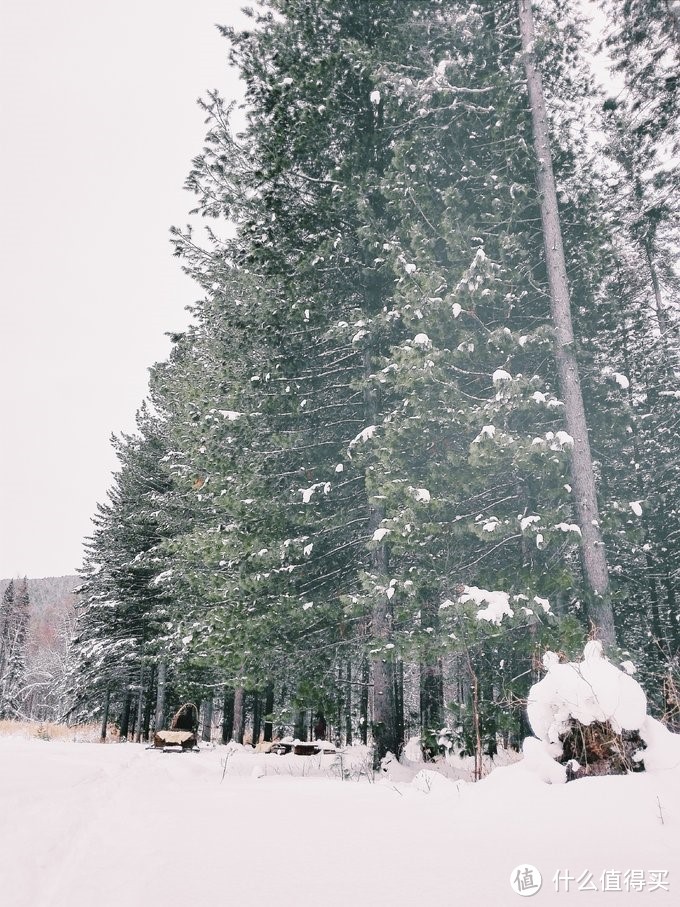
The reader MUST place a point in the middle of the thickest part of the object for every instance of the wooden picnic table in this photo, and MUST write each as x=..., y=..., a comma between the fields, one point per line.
x=302, y=748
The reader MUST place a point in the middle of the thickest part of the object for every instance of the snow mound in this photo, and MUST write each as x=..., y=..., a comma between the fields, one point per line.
x=539, y=759
x=587, y=691
x=428, y=782
x=663, y=747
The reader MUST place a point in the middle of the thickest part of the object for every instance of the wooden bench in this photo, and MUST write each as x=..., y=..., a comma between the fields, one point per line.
x=302, y=748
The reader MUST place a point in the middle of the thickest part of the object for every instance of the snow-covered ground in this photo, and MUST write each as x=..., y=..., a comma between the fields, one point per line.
x=85, y=825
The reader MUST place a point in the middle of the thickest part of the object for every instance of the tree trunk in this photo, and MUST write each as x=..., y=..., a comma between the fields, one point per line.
x=257, y=718
x=133, y=720
x=399, y=705
x=228, y=715
x=363, y=703
x=105, y=716
x=207, y=719
x=431, y=677
x=583, y=477
x=383, y=725
x=431, y=695
x=125, y=717
x=384, y=712
x=159, y=719
x=140, y=706
x=299, y=727
x=148, y=704
x=661, y=316
x=341, y=688
x=239, y=714
x=348, y=703
x=268, y=711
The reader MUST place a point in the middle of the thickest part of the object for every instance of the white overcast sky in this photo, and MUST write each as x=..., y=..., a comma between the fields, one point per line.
x=99, y=124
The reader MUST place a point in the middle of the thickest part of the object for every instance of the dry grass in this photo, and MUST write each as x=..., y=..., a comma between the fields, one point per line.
x=46, y=730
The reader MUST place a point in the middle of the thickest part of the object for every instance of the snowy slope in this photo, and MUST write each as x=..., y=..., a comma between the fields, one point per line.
x=85, y=824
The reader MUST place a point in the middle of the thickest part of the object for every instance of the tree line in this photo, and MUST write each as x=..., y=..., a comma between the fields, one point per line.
x=422, y=424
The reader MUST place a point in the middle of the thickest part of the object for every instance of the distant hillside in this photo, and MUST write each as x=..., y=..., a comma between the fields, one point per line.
x=41, y=689
x=52, y=603
x=49, y=593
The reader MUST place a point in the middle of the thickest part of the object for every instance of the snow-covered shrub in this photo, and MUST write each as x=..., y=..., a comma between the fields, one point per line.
x=591, y=717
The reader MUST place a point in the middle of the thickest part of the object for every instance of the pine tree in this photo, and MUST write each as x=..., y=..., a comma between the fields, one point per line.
x=121, y=619
x=593, y=552
x=14, y=618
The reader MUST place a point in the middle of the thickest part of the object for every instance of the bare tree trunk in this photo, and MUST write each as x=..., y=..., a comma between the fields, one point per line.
x=583, y=476
x=140, y=706
x=257, y=718
x=125, y=717
x=661, y=316
x=431, y=694
x=105, y=716
x=159, y=718
x=399, y=705
x=431, y=676
x=384, y=711
x=384, y=707
x=207, y=719
x=239, y=714
x=340, y=705
x=363, y=703
x=300, y=724
x=148, y=704
x=268, y=711
x=348, y=704
x=479, y=761
x=228, y=715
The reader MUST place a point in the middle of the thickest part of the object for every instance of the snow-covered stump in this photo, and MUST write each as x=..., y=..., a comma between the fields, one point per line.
x=590, y=718
x=597, y=749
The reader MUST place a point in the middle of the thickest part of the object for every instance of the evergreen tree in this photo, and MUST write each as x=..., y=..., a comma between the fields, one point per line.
x=14, y=616
x=122, y=617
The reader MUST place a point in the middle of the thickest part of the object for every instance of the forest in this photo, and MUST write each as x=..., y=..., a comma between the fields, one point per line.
x=37, y=628
x=422, y=427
